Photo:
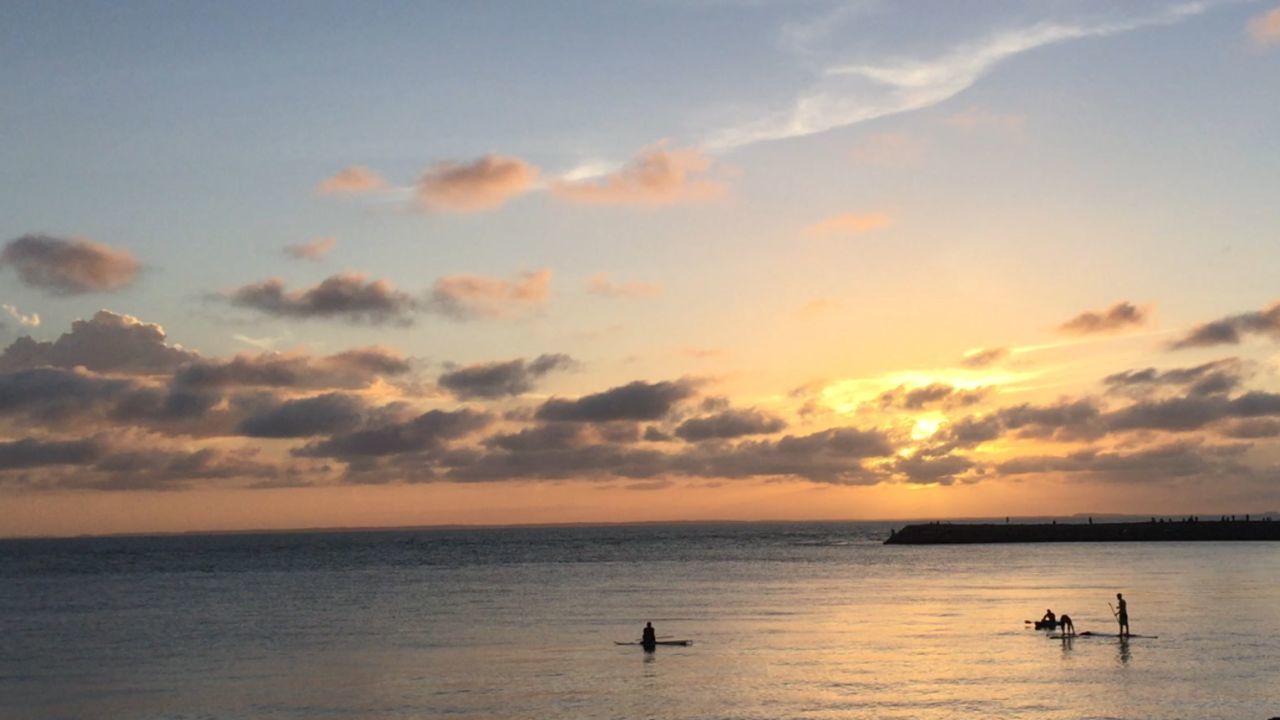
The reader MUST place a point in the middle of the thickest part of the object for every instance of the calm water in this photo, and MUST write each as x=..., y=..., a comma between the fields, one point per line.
x=789, y=620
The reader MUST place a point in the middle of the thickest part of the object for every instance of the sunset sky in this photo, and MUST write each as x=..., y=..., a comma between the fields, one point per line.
x=279, y=265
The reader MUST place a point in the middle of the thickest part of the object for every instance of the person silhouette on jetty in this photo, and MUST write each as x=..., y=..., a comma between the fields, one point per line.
x=1068, y=627
x=1122, y=615
x=649, y=638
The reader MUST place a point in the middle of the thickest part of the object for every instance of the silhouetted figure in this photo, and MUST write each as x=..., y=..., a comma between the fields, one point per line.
x=1122, y=615
x=1090, y=521
x=1068, y=627
x=649, y=638
x=1049, y=618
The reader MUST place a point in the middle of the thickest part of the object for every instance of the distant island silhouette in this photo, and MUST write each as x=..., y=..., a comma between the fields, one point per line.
x=1154, y=530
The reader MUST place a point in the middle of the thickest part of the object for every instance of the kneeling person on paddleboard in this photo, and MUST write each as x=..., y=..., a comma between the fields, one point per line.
x=649, y=638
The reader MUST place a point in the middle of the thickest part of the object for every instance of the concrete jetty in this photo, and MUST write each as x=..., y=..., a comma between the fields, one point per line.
x=1158, y=530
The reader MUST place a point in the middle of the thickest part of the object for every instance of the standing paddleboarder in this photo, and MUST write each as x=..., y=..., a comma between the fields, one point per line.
x=649, y=638
x=1122, y=615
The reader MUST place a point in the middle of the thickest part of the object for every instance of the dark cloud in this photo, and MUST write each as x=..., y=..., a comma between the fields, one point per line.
x=1253, y=428
x=1159, y=464
x=346, y=296
x=429, y=431
x=108, y=342
x=1065, y=420
x=932, y=395
x=729, y=424
x=53, y=393
x=1182, y=414
x=1121, y=316
x=320, y=415
x=30, y=452
x=1210, y=378
x=925, y=470
x=984, y=358
x=69, y=266
x=350, y=369
x=1229, y=330
x=163, y=405
x=499, y=379
x=831, y=456
x=633, y=401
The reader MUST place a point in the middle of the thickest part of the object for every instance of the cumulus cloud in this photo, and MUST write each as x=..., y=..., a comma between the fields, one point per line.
x=69, y=266
x=472, y=297
x=33, y=452
x=52, y=393
x=107, y=342
x=320, y=415
x=1230, y=330
x=1158, y=464
x=984, y=357
x=25, y=320
x=352, y=180
x=634, y=401
x=1209, y=378
x=1121, y=316
x=356, y=368
x=919, y=397
x=730, y=424
x=657, y=176
x=1264, y=29
x=313, y=250
x=850, y=224
x=346, y=296
x=431, y=430
x=484, y=184
x=499, y=379
x=601, y=285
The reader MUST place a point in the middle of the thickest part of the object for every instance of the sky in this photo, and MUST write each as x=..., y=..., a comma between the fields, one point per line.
x=290, y=265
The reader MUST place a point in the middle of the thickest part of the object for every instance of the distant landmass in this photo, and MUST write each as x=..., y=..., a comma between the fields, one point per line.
x=1154, y=530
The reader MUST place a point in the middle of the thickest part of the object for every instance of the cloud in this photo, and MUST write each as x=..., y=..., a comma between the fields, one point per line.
x=850, y=224
x=356, y=368
x=856, y=92
x=108, y=342
x=53, y=393
x=346, y=296
x=31, y=452
x=431, y=430
x=69, y=266
x=1264, y=29
x=729, y=424
x=471, y=297
x=484, y=184
x=1219, y=376
x=1118, y=317
x=657, y=176
x=1182, y=414
x=1230, y=330
x=499, y=379
x=599, y=284
x=925, y=470
x=31, y=320
x=1158, y=464
x=313, y=250
x=984, y=357
x=352, y=180
x=931, y=395
x=320, y=415
x=634, y=401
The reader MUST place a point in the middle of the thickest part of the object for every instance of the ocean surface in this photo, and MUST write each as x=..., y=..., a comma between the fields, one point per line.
x=806, y=620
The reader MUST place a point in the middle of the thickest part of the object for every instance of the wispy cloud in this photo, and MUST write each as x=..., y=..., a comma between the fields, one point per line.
x=850, y=224
x=1264, y=30
x=313, y=250
x=24, y=319
x=602, y=285
x=851, y=93
x=471, y=297
x=1121, y=316
x=353, y=180
x=657, y=176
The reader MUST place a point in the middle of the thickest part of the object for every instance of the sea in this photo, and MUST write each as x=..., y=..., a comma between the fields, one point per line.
x=787, y=620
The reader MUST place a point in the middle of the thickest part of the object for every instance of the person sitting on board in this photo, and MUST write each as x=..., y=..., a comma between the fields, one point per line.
x=649, y=638
x=1122, y=615
x=1068, y=627
x=1049, y=619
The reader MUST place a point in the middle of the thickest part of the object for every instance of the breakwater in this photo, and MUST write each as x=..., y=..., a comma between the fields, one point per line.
x=1150, y=531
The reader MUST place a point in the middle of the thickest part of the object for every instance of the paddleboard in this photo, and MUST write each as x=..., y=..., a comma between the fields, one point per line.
x=1089, y=634
x=682, y=643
